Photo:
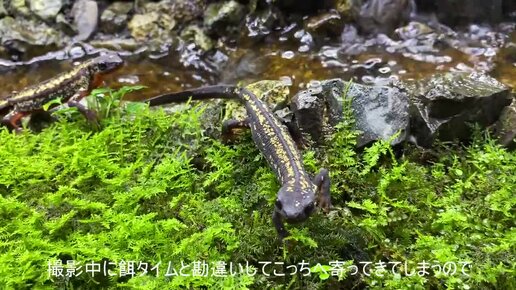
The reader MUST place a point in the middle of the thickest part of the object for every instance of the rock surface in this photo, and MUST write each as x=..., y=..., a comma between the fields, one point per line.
x=383, y=16
x=444, y=106
x=380, y=112
x=85, y=15
x=218, y=16
x=505, y=128
x=21, y=34
x=115, y=17
x=46, y=9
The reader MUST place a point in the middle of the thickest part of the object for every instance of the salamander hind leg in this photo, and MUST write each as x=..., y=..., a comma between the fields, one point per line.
x=13, y=120
x=229, y=125
x=322, y=180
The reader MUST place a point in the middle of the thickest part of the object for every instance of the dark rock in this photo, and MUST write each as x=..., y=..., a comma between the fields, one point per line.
x=383, y=16
x=380, y=111
x=309, y=108
x=3, y=11
x=455, y=12
x=444, y=106
x=509, y=7
x=114, y=18
x=305, y=6
x=505, y=128
x=85, y=18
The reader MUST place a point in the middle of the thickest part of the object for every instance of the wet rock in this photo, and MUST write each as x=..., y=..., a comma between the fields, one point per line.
x=455, y=12
x=20, y=34
x=218, y=17
x=195, y=34
x=181, y=11
x=187, y=10
x=309, y=108
x=327, y=23
x=505, y=128
x=114, y=18
x=46, y=9
x=413, y=30
x=380, y=111
x=117, y=44
x=444, y=106
x=18, y=8
x=261, y=22
x=85, y=18
x=383, y=16
x=152, y=25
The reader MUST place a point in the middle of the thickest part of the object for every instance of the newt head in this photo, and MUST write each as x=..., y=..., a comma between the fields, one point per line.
x=105, y=63
x=295, y=204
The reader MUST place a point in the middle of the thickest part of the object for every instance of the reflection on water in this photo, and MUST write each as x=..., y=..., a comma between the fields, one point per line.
x=415, y=52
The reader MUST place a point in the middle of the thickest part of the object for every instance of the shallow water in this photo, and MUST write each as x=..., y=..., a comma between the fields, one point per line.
x=374, y=60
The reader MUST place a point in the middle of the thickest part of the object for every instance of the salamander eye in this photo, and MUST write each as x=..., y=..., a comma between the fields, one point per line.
x=279, y=206
x=103, y=66
x=309, y=208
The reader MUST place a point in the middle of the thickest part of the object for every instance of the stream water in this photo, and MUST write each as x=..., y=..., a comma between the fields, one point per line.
x=293, y=56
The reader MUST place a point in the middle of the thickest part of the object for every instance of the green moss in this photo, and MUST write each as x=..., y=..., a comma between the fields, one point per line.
x=150, y=187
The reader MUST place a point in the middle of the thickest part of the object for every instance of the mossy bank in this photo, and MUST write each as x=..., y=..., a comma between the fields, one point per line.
x=151, y=188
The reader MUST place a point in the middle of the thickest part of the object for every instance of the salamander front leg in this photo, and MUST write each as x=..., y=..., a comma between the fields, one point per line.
x=229, y=125
x=89, y=114
x=277, y=219
x=322, y=180
x=13, y=119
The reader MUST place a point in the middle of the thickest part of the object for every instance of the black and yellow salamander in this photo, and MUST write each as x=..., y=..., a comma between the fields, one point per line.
x=299, y=193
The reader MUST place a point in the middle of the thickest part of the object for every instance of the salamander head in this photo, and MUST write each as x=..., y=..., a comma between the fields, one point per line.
x=295, y=204
x=105, y=63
